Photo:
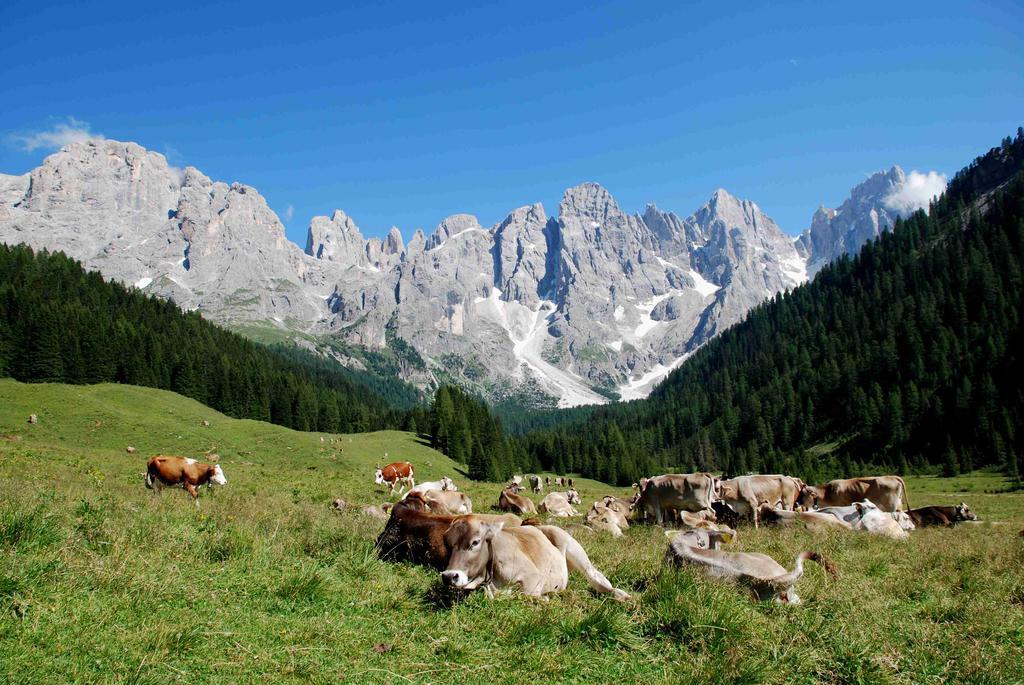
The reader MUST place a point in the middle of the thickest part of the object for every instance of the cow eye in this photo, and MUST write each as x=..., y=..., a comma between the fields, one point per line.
x=476, y=543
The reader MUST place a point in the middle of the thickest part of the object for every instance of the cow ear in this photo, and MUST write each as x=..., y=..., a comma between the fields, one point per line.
x=860, y=507
x=492, y=529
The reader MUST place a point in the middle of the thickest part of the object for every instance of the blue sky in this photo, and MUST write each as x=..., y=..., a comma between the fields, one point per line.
x=403, y=113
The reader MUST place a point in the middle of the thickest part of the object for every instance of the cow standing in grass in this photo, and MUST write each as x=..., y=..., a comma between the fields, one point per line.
x=182, y=472
x=395, y=473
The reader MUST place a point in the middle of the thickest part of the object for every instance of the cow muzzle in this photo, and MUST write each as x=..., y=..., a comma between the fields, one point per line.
x=457, y=579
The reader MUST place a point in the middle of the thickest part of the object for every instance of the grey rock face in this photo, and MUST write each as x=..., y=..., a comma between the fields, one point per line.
x=591, y=302
x=862, y=217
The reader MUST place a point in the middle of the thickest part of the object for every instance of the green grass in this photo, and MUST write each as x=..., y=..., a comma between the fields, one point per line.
x=100, y=581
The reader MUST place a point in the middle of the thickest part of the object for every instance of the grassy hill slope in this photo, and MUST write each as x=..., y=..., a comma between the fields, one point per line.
x=100, y=581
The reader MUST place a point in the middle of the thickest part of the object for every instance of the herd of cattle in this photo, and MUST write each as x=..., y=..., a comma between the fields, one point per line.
x=434, y=524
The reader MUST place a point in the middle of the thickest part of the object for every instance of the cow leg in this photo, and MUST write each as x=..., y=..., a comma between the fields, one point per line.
x=191, y=489
x=577, y=560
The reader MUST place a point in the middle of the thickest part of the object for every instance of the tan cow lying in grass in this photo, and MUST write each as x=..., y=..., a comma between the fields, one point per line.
x=536, y=559
x=511, y=500
x=611, y=515
x=415, y=533
x=765, y=577
x=560, y=503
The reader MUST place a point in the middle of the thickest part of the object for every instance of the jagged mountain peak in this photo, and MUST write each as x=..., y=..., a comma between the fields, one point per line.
x=589, y=199
x=590, y=301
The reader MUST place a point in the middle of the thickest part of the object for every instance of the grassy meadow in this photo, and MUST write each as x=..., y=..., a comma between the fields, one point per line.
x=102, y=582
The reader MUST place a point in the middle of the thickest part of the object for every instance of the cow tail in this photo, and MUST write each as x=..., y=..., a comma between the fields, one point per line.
x=149, y=479
x=790, y=578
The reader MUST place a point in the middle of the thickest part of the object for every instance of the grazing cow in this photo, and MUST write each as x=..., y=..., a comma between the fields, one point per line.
x=447, y=502
x=445, y=484
x=547, y=480
x=746, y=494
x=559, y=481
x=560, y=503
x=537, y=560
x=765, y=577
x=395, y=473
x=511, y=500
x=888, y=492
x=182, y=472
x=516, y=480
x=415, y=533
x=535, y=485
x=812, y=520
x=941, y=516
x=687, y=492
x=568, y=481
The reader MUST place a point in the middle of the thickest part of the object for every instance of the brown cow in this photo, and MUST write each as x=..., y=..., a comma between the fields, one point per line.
x=684, y=491
x=414, y=533
x=941, y=516
x=511, y=500
x=182, y=472
x=393, y=474
x=746, y=494
x=888, y=493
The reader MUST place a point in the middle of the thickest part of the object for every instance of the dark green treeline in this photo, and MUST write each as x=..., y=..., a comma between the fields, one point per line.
x=905, y=357
x=62, y=324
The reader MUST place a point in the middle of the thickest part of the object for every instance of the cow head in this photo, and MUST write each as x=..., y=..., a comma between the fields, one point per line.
x=865, y=507
x=903, y=518
x=470, y=557
x=702, y=538
x=573, y=496
x=809, y=497
x=378, y=476
x=217, y=475
x=448, y=484
x=962, y=512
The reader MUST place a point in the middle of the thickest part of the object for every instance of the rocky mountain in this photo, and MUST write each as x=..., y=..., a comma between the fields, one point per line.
x=873, y=207
x=589, y=304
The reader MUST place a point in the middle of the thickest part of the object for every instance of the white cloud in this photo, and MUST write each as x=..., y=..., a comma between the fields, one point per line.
x=916, y=192
x=289, y=213
x=61, y=134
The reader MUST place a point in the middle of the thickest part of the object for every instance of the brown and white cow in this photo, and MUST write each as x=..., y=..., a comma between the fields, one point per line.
x=511, y=500
x=887, y=492
x=415, y=533
x=683, y=491
x=535, y=559
x=942, y=516
x=765, y=577
x=395, y=473
x=162, y=470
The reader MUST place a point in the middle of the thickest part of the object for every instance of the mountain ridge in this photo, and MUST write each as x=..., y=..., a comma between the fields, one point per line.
x=589, y=304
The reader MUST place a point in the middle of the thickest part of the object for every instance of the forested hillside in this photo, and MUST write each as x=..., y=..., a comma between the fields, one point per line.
x=60, y=323
x=905, y=357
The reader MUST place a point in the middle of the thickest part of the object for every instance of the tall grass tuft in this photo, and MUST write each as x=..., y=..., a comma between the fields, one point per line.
x=27, y=530
x=302, y=587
